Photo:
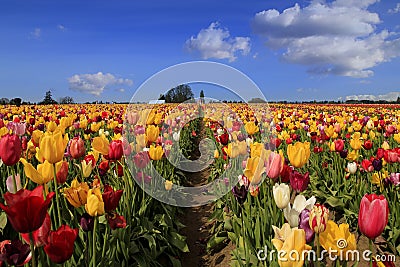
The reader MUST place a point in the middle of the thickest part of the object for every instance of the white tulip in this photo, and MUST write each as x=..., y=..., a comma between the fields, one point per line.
x=281, y=195
x=352, y=167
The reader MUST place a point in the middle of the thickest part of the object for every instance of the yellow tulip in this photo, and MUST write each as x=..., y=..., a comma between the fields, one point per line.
x=353, y=155
x=396, y=137
x=337, y=238
x=94, y=205
x=233, y=149
x=152, y=133
x=101, y=145
x=291, y=250
x=385, y=145
x=355, y=143
x=3, y=131
x=140, y=142
x=77, y=193
x=168, y=185
x=156, y=152
x=51, y=127
x=46, y=169
x=254, y=169
x=36, y=135
x=251, y=128
x=94, y=127
x=34, y=174
x=86, y=168
x=52, y=146
x=257, y=150
x=298, y=154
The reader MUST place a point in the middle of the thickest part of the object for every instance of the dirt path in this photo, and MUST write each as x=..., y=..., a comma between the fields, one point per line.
x=197, y=227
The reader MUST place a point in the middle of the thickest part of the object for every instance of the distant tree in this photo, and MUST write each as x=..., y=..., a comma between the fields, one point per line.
x=48, y=99
x=162, y=97
x=66, y=100
x=398, y=99
x=4, y=101
x=16, y=101
x=257, y=100
x=179, y=94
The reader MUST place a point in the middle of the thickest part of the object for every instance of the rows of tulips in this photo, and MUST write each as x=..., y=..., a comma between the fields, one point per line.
x=306, y=177
x=330, y=175
x=69, y=198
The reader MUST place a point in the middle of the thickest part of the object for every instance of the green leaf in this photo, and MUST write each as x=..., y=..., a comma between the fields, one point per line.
x=178, y=241
x=214, y=241
x=334, y=202
x=3, y=220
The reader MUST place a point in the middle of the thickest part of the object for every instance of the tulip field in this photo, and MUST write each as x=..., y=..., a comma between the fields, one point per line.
x=290, y=184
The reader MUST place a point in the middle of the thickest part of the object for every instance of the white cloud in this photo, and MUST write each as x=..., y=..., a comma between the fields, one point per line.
x=392, y=96
x=61, y=27
x=216, y=42
x=330, y=38
x=95, y=83
x=394, y=10
x=36, y=33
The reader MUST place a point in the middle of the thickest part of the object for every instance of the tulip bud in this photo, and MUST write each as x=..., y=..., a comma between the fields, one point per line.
x=318, y=218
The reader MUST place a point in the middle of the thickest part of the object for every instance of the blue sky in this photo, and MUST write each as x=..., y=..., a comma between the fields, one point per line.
x=293, y=50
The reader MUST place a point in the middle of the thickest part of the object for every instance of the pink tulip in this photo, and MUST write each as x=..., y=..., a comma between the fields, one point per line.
x=274, y=165
x=373, y=215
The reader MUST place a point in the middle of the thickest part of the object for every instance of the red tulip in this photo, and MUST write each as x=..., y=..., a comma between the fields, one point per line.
x=286, y=173
x=115, y=220
x=116, y=150
x=274, y=165
x=26, y=210
x=62, y=173
x=111, y=198
x=90, y=158
x=373, y=215
x=77, y=148
x=298, y=181
x=380, y=153
x=339, y=145
x=390, y=156
x=40, y=235
x=10, y=149
x=103, y=167
x=224, y=139
x=367, y=165
x=367, y=144
x=15, y=253
x=141, y=159
x=60, y=244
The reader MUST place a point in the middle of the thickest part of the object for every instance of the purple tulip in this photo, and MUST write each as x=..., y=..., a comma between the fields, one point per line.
x=240, y=193
x=305, y=225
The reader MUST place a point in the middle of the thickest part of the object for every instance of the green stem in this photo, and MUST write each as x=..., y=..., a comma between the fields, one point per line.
x=57, y=197
x=244, y=237
x=14, y=180
x=370, y=248
x=318, y=249
x=94, y=242
x=32, y=245
x=105, y=241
